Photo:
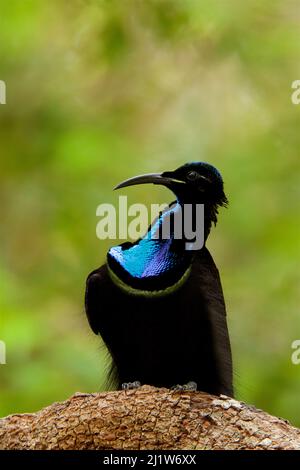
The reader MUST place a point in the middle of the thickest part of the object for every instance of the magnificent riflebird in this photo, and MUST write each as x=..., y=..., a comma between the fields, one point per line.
x=158, y=304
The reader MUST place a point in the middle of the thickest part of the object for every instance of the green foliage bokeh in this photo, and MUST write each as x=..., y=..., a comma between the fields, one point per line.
x=98, y=91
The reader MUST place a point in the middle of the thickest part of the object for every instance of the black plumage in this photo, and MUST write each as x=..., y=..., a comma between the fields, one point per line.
x=164, y=340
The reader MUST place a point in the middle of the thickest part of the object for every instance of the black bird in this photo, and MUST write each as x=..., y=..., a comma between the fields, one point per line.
x=158, y=306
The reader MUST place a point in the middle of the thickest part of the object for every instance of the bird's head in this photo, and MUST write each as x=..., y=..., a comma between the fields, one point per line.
x=192, y=183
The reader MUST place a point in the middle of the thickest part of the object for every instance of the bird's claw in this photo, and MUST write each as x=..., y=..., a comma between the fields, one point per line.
x=190, y=386
x=131, y=385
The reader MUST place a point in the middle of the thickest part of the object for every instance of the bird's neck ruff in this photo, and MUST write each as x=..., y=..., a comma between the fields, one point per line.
x=151, y=266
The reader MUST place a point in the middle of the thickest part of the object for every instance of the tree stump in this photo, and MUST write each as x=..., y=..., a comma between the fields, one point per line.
x=148, y=418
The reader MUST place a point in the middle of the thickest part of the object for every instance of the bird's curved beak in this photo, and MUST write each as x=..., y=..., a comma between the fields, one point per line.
x=154, y=178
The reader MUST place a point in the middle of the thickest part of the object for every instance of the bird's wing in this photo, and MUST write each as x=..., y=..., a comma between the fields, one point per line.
x=97, y=294
x=208, y=283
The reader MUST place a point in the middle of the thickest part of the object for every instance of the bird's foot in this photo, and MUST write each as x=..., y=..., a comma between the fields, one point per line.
x=190, y=386
x=131, y=385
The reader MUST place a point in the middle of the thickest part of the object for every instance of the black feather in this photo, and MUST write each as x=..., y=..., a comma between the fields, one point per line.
x=167, y=340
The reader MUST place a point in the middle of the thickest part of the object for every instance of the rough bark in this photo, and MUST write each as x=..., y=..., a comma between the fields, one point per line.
x=148, y=418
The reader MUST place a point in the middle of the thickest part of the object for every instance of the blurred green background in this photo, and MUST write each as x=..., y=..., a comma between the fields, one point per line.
x=98, y=91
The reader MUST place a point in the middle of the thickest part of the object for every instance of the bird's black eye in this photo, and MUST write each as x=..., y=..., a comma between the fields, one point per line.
x=192, y=176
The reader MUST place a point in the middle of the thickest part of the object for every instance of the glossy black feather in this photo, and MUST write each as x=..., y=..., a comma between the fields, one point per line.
x=167, y=340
